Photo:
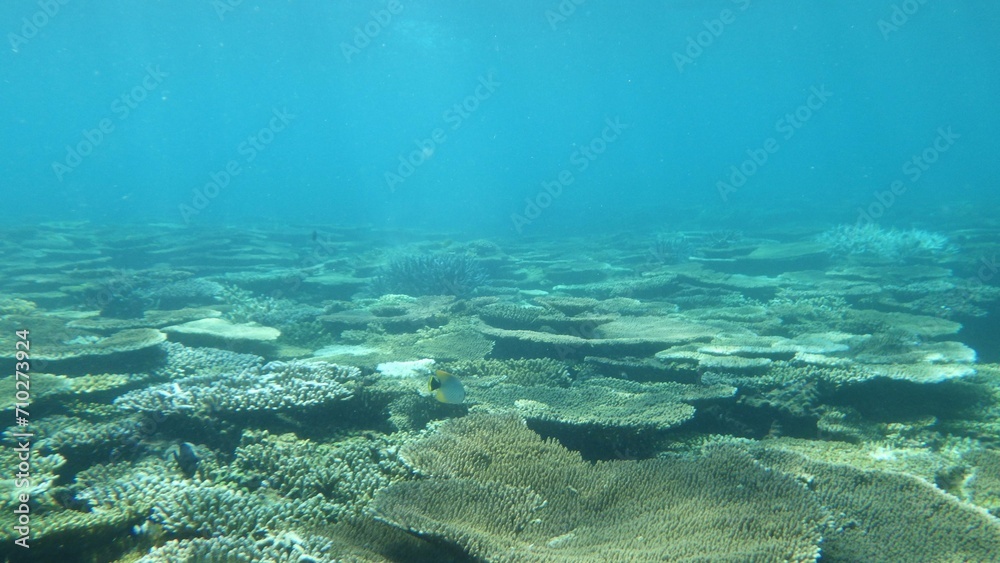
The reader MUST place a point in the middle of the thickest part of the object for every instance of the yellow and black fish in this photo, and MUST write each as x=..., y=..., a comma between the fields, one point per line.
x=446, y=387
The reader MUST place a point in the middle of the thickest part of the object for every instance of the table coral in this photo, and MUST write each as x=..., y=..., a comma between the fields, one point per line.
x=500, y=492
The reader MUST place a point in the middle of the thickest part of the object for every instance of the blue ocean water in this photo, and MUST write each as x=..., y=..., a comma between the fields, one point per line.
x=124, y=111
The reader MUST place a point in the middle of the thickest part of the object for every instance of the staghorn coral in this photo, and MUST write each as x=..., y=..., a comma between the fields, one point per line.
x=501, y=493
x=100, y=507
x=200, y=509
x=430, y=274
x=355, y=541
x=346, y=474
x=287, y=520
x=672, y=249
x=80, y=439
x=282, y=547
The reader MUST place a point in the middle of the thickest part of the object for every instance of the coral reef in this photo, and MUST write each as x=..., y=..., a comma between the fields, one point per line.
x=602, y=403
x=347, y=474
x=393, y=313
x=872, y=241
x=722, y=398
x=672, y=248
x=220, y=333
x=282, y=313
x=526, y=372
x=182, y=361
x=277, y=386
x=83, y=347
x=129, y=294
x=149, y=319
x=185, y=293
x=982, y=486
x=498, y=491
x=460, y=343
x=881, y=516
x=430, y=274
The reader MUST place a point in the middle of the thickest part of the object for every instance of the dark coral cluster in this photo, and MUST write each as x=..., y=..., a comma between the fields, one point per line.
x=129, y=296
x=430, y=274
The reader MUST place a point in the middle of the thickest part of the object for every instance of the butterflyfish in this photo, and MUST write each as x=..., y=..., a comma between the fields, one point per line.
x=446, y=387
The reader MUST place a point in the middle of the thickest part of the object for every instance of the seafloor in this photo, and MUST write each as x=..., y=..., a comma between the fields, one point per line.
x=242, y=394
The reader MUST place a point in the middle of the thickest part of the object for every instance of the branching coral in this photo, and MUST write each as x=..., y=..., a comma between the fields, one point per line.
x=430, y=274
x=871, y=241
x=278, y=386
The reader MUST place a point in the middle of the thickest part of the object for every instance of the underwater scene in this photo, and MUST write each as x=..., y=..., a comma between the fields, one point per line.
x=500, y=281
